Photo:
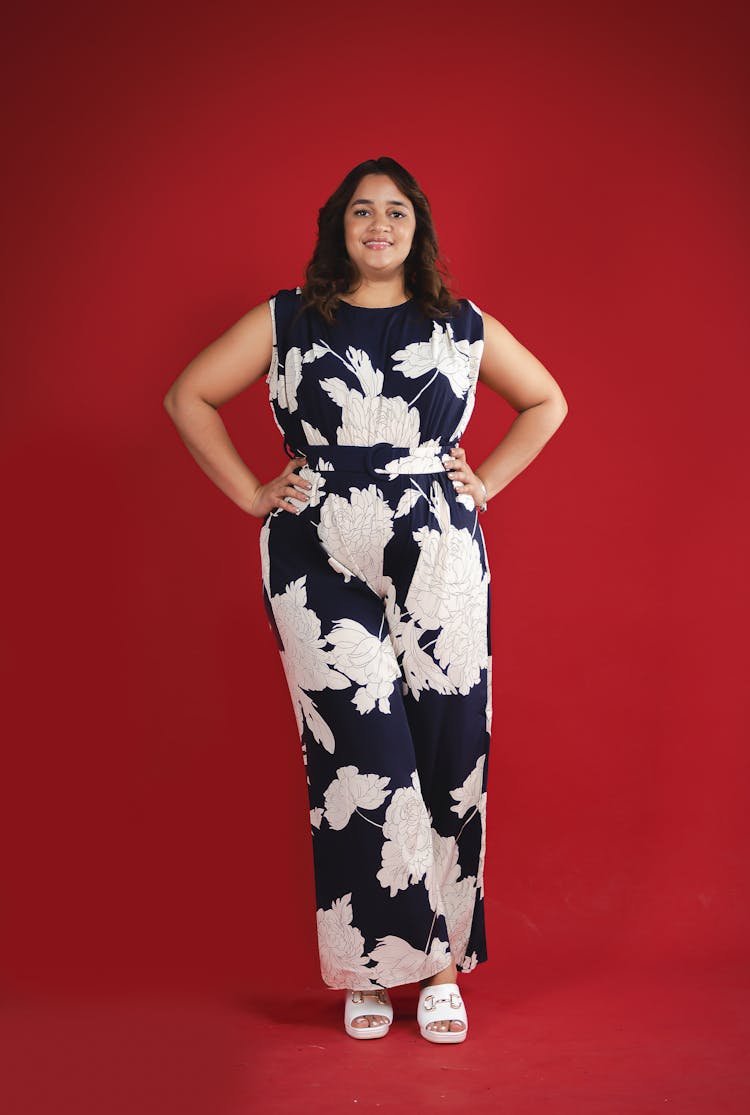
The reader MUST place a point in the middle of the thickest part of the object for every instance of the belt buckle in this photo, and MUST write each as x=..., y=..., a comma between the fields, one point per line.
x=378, y=455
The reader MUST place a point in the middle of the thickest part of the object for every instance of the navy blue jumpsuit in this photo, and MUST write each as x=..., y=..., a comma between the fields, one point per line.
x=378, y=595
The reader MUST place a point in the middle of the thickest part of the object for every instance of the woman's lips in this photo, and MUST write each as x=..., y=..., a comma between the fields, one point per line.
x=377, y=245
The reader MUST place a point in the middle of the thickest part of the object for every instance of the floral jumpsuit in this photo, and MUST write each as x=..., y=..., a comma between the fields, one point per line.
x=378, y=596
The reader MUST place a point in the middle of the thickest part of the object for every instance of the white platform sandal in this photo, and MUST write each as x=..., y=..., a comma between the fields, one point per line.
x=355, y=1007
x=441, y=1002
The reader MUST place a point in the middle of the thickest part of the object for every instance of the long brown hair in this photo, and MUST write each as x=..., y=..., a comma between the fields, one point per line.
x=331, y=272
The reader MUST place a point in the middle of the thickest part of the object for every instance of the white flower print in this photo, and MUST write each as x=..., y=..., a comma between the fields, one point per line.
x=307, y=713
x=468, y=795
x=357, y=361
x=265, y=559
x=458, y=361
x=292, y=377
x=469, y=963
x=407, y=501
x=367, y=416
x=365, y=419
x=314, y=493
x=354, y=533
x=407, y=851
x=466, y=500
x=448, y=594
x=361, y=364
x=313, y=435
x=443, y=870
x=314, y=353
x=457, y=648
x=419, y=669
x=397, y=962
x=284, y=379
x=307, y=663
x=316, y=816
x=450, y=895
x=423, y=459
x=336, y=388
x=459, y=898
x=341, y=945
x=351, y=791
x=368, y=661
x=277, y=385
x=482, y=811
x=467, y=413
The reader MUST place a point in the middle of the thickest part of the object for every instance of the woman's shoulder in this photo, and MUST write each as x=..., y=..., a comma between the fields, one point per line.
x=290, y=295
x=468, y=317
x=287, y=313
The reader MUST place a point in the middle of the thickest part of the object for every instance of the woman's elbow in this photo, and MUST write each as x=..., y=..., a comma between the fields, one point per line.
x=172, y=400
x=560, y=404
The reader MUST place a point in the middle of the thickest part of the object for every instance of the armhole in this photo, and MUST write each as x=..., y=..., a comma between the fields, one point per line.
x=478, y=312
x=273, y=368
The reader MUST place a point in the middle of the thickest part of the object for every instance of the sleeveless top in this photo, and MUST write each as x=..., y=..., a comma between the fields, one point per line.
x=376, y=375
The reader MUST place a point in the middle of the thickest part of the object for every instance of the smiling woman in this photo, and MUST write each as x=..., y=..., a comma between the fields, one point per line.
x=378, y=230
x=376, y=239
x=376, y=578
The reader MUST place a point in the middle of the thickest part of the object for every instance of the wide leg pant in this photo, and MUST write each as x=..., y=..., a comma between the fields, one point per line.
x=378, y=594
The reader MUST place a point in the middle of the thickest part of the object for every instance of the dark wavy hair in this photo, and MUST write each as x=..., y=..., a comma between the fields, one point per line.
x=331, y=272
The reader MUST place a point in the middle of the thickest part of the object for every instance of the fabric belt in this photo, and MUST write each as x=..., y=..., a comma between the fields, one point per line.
x=377, y=460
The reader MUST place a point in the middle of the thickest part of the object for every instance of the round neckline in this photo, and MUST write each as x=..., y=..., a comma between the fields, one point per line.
x=396, y=306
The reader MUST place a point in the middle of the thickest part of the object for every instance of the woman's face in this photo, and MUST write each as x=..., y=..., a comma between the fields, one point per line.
x=379, y=226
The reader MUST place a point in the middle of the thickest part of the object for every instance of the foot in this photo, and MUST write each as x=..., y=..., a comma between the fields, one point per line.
x=361, y=1025
x=441, y=1010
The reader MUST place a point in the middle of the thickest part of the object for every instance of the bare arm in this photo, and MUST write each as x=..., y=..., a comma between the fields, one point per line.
x=229, y=365
x=518, y=377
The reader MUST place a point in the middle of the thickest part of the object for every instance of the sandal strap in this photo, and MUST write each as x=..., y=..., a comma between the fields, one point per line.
x=379, y=993
x=441, y=1003
x=356, y=1007
x=431, y=1001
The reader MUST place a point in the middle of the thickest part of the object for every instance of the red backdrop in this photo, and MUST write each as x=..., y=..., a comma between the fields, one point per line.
x=588, y=174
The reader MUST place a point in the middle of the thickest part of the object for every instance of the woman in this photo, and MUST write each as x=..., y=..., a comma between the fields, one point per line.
x=375, y=577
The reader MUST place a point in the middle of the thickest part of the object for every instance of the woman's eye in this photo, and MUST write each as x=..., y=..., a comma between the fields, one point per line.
x=366, y=212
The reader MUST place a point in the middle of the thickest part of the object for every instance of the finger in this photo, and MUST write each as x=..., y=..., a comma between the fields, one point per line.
x=294, y=464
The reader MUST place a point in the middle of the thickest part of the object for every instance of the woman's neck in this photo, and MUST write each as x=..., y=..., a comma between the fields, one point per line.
x=374, y=295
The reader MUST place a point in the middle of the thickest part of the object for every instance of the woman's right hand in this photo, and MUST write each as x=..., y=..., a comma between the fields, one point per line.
x=277, y=491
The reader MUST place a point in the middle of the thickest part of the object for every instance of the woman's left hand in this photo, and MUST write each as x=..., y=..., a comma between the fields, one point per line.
x=464, y=480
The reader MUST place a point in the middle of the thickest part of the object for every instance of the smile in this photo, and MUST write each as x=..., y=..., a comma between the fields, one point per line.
x=378, y=245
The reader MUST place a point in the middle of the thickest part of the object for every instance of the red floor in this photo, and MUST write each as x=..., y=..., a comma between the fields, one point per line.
x=612, y=1043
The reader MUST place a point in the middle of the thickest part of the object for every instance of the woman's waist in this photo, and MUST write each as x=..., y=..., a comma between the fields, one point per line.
x=379, y=460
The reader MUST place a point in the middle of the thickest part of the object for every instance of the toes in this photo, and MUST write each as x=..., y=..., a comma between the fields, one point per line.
x=364, y=1020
